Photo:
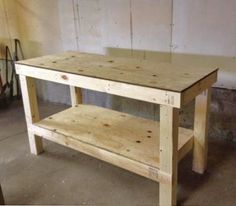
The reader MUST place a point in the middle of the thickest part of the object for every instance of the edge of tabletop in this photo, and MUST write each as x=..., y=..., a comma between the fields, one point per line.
x=189, y=93
x=173, y=98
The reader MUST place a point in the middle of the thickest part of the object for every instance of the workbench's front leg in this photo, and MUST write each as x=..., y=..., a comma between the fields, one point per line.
x=200, y=147
x=30, y=102
x=169, y=124
x=76, y=95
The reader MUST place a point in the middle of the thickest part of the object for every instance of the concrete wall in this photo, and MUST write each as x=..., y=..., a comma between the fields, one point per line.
x=191, y=32
x=204, y=34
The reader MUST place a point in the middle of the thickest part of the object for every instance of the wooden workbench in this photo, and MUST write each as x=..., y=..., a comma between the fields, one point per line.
x=148, y=148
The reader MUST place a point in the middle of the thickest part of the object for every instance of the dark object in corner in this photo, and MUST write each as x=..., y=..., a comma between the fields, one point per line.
x=1, y=197
x=7, y=89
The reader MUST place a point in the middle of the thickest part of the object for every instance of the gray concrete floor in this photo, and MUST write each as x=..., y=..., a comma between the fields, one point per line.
x=64, y=176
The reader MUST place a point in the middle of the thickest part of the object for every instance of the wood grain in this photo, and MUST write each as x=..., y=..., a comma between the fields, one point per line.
x=118, y=133
x=169, y=126
x=200, y=149
x=166, y=76
x=28, y=90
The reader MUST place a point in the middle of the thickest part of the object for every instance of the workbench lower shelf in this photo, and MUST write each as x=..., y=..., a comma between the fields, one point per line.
x=121, y=139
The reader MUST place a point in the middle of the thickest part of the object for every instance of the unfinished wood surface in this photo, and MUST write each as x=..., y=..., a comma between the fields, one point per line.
x=117, y=133
x=169, y=121
x=1, y=196
x=164, y=76
x=76, y=95
x=202, y=104
x=148, y=94
x=28, y=91
x=193, y=91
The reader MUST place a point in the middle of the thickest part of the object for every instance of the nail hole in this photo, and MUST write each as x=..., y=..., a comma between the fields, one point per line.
x=148, y=136
x=80, y=70
x=50, y=118
x=149, y=131
x=138, y=141
x=111, y=61
x=73, y=56
x=64, y=77
x=106, y=125
x=54, y=62
x=154, y=75
x=121, y=73
x=138, y=67
x=128, y=150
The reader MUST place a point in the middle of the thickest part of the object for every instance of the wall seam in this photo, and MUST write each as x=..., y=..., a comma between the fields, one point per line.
x=75, y=6
x=171, y=29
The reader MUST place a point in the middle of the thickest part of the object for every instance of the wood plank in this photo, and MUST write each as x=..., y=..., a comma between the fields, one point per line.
x=28, y=90
x=92, y=129
x=165, y=76
x=76, y=95
x=193, y=91
x=102, y=154
x=117, y=88
x=202, y=104
x=169, y=122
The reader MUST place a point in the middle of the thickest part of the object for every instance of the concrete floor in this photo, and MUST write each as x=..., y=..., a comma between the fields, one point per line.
x=63, y=176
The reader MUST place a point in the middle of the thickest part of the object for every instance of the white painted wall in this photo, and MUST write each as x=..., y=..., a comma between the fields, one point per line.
x=124, y=24
x=204, y=34
x=201, y=32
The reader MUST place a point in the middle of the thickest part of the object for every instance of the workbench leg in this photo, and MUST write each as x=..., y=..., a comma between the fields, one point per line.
x=76, y=95
x=1, y=196
x=169, y=124
x=200, y=146
x=28, y=90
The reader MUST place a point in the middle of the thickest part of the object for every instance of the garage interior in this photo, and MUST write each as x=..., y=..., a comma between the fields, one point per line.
x=193, y=33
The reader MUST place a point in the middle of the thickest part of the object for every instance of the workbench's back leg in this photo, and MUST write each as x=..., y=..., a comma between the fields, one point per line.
x=76, y=95
x=28, y=90
x=169, y=124
x=1, y=196
x=200, y=148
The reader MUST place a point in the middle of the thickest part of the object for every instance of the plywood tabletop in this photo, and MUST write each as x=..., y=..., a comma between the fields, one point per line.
x=166, y=76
